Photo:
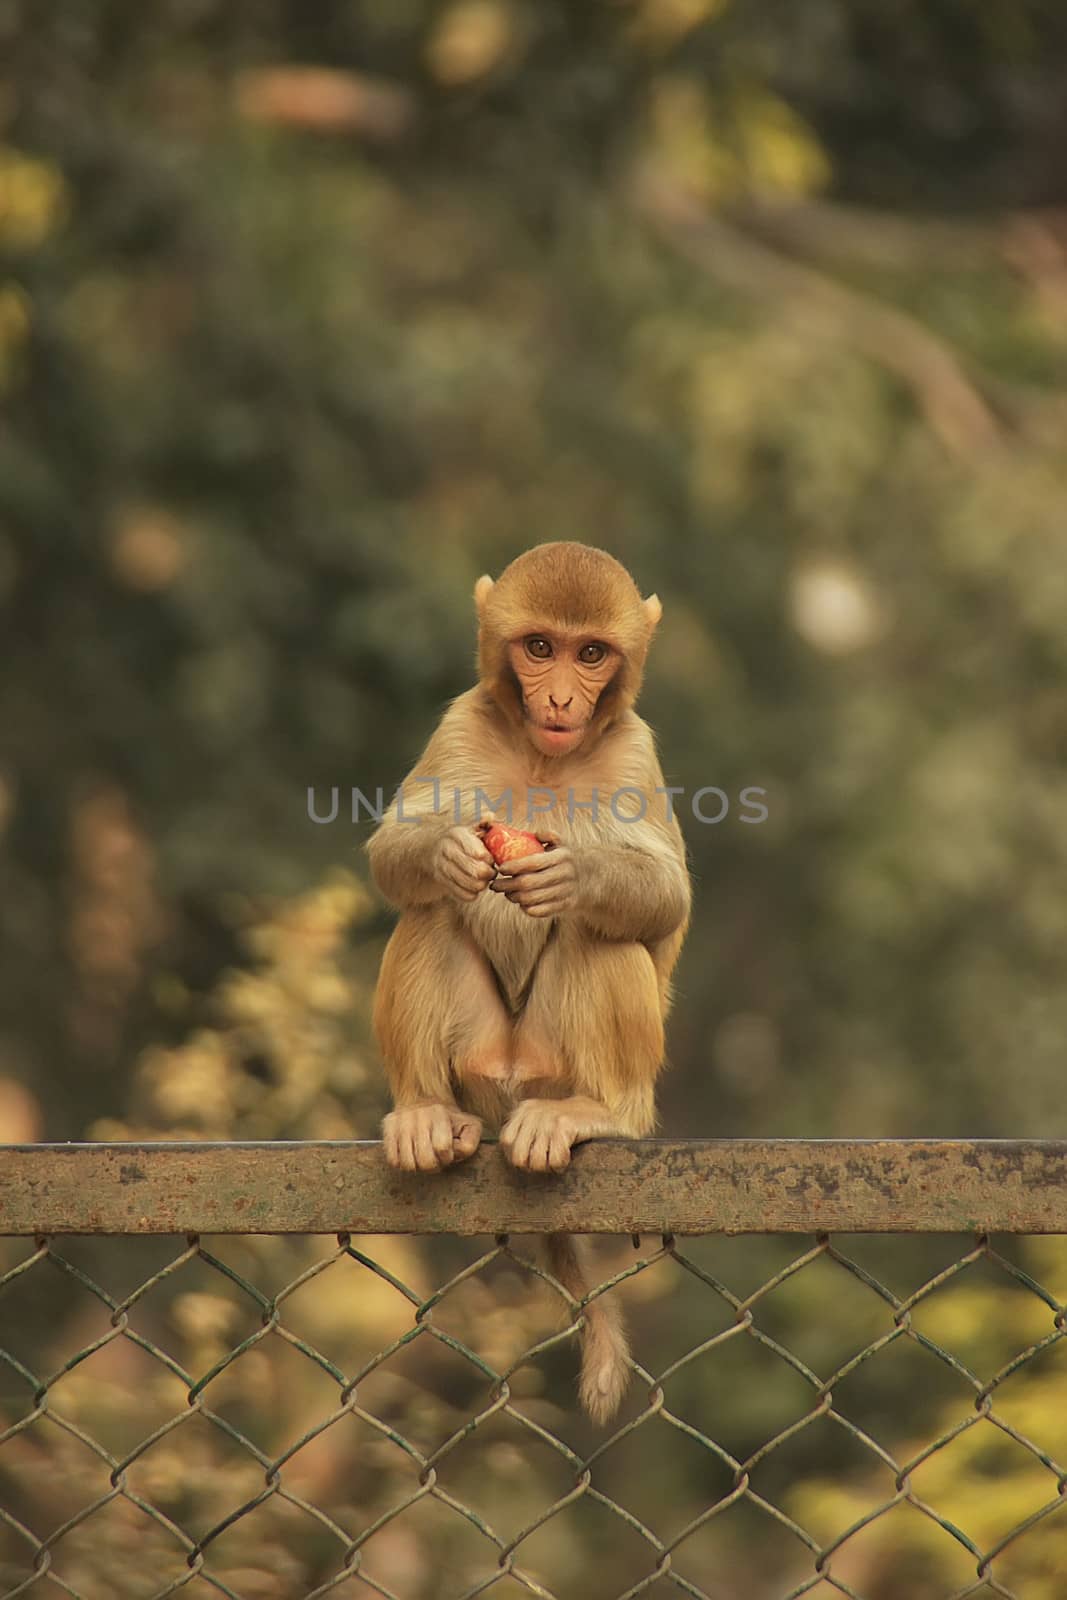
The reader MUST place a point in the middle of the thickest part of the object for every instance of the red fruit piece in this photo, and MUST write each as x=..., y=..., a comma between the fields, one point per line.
x=506, y=843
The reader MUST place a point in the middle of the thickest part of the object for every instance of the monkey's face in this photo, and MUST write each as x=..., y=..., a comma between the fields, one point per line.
x=561, y=680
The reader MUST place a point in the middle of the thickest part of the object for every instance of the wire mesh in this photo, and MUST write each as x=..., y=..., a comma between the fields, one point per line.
x=147, y=1502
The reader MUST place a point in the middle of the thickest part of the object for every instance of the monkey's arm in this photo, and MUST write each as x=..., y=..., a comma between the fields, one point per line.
x=637, y=891
x=632, y=883
x=419, y=855
x=403, y=851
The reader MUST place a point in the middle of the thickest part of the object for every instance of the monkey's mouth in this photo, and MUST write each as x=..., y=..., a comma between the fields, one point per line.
x=559, y=735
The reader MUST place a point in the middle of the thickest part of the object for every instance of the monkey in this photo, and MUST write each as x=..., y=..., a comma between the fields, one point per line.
x=532, y=997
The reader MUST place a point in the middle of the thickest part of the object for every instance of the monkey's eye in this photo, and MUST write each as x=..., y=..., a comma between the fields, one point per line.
x=540, y=649
x=592, y=654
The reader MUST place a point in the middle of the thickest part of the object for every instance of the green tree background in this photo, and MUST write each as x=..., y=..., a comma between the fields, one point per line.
x=311, y=314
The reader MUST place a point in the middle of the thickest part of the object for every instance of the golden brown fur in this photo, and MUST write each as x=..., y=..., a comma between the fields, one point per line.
x=534, y=1000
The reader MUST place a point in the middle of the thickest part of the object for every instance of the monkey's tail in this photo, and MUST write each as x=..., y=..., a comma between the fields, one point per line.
x=605, y=1367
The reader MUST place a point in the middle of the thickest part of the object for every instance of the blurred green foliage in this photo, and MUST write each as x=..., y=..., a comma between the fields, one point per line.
x=309, y=315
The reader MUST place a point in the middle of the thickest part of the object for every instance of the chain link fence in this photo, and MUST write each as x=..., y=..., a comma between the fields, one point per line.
x=270, y=1416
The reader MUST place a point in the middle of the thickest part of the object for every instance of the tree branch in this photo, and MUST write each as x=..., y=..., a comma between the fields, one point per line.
x=952, y=404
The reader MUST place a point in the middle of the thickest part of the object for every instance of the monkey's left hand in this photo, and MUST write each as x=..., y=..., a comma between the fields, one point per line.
x=543, y=885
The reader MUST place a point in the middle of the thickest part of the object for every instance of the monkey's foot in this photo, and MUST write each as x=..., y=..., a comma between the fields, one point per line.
x=539, y=1134
x=428, y=1137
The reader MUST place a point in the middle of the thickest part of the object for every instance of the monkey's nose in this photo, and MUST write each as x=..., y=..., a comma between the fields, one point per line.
x=555, y=704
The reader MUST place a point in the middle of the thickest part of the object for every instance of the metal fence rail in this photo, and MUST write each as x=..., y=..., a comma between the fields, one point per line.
x=71, y=1464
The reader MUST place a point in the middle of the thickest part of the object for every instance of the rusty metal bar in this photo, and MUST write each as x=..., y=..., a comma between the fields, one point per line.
x=689, y=1186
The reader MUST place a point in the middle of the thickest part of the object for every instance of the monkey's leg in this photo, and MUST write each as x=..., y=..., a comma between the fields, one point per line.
x=480, y=1044
x=480, y=1041
x=588, y=1049
x=441, y=1024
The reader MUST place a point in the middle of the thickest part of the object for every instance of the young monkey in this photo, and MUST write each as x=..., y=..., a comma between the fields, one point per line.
x=533, y=996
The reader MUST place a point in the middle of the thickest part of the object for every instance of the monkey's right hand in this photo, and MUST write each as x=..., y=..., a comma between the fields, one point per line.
x=427, y=1137
x=462, y=864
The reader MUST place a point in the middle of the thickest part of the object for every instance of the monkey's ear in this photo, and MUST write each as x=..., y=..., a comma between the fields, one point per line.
x=482, y=590
x=653, y=611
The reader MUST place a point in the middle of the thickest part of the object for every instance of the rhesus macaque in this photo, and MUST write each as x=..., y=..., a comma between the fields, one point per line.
x=532, y=995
